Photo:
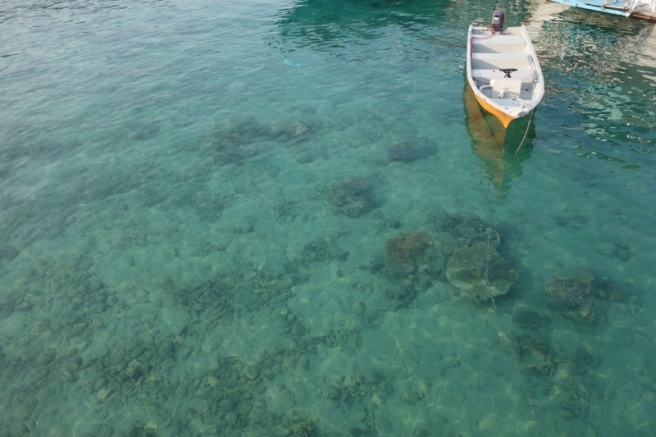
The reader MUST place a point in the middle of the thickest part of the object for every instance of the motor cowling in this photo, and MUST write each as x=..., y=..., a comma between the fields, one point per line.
x=498, y=18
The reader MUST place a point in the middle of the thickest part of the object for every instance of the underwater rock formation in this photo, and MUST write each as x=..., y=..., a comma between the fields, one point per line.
x=293, y=134
x=231, y=142
x=607, y=289
x=400, y=296
x=571, y=289
x=234, y=141
x=412, y=262
x=468, y=267
x=325, y=250
x=295, y=131
x=536, y=355
x=408, y=151
x=352, y=196
x=404, y=252
x=469, y=230
x=574, y=290
x=370, y=389
x=527, y=319
x=304, y=428
x=383, y=221
x=290, y=129
x=622, y=252
x=408, y=246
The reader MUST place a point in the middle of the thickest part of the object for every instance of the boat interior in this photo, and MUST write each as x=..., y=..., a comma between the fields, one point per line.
x=501, y=67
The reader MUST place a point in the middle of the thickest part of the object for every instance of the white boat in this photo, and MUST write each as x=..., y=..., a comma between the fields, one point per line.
x=503, y=69
x=645, y=9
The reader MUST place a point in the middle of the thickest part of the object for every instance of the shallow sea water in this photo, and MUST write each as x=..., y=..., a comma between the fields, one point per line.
x=247, y=220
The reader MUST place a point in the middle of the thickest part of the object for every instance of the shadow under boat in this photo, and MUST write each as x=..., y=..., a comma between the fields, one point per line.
x=502, y=150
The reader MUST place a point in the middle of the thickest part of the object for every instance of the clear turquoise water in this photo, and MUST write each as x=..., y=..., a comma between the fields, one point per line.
x=196, y=200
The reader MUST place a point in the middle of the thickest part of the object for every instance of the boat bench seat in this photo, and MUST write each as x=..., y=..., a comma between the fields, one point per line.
x=505, y=56
x=499, y=39
x=493, y=74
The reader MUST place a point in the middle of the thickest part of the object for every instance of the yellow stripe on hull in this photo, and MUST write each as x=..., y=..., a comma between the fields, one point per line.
x=504, y=118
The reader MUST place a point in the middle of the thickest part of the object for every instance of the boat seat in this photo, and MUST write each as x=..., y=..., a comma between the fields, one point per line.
x=497, y=56
x=507, y=87
x=500, y=39
x=490, y=74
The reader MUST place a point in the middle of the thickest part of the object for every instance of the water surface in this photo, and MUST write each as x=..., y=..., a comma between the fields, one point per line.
x=249, y=219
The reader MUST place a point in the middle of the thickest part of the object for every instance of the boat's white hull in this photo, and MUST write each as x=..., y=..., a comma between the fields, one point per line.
x=506, y=95
x=645, y=9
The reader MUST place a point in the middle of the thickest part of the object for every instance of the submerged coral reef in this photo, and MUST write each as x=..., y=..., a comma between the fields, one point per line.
x=352, y=196
x=408, y=246
x=574, y=289
x=235, y=140
x=469, y=229
x=408, y=257
x=412, y=262
x=464, y=247
x=475, y=266
x=571, y=289
x=607, y=289
x=408, y=151
x=480, y=272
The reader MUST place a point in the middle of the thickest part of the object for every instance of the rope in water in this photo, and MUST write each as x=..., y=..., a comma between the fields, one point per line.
x=494, y=304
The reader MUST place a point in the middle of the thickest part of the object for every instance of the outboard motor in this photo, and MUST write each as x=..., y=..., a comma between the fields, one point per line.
x=498, y=18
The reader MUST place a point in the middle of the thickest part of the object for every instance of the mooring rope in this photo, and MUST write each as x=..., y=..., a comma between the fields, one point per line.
x=515, y=355
x=528, y=125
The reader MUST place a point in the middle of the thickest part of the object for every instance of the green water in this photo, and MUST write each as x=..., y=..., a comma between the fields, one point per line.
x=252, y=219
